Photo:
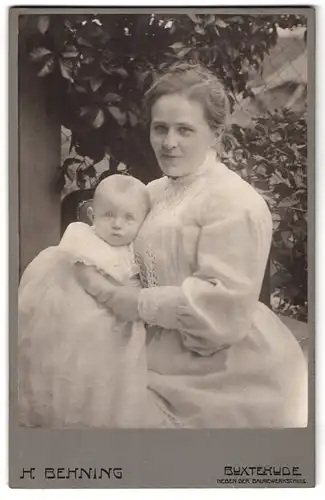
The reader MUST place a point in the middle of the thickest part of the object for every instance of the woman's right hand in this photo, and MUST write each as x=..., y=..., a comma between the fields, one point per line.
x=94, y=283
x=122, y=300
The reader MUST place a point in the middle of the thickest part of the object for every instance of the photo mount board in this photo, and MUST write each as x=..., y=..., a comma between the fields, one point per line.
x=182, y=458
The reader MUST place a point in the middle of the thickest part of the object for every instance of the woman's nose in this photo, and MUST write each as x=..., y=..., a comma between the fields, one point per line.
x=170, y=140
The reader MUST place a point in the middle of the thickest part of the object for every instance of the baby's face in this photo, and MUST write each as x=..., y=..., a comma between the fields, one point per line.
x=118, y=218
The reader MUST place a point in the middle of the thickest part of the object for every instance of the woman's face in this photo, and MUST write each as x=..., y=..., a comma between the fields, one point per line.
x=179, y=134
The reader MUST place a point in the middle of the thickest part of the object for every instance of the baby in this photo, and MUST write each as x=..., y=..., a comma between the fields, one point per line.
x=79, y=364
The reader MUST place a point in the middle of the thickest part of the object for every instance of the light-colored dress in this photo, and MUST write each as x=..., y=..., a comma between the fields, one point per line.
x=79, y=366
x=217, y=357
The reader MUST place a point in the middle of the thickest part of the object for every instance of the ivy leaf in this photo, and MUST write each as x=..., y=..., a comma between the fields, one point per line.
x=142, y=76
x=133, y=119
x=275, y=137
x=85, y=43
x=80, y=178
x=68, y=171
x=287, y=239
x=73, y=142
x=183, y=52
x=177, y=45
x=300, y=182
x=99, y=119
x=66, y=67
x=112, y=97
x=67, y=24
x=59, y=181
x=119, y=71
x=220, y=22
x=47, y=68
x=118, y=115
x=194, y=18
x=70, y=51
x=105, y=66
x=199, y=30
x=80, y=88
x=84, y=110
x=43, y=24
x=261, y=170
x=39, y=53
x=211, y=19
x=263, y=185
x=87, y=59
x=248, y=93
x=69, y=162
x=96, y=83
x=288, y=202
x=273, y=269
x=90, y=171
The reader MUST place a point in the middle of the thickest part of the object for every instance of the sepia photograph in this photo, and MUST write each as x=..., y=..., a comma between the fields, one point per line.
x=163, y=220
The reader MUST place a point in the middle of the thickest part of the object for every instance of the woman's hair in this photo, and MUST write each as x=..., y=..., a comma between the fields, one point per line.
x=197, y=83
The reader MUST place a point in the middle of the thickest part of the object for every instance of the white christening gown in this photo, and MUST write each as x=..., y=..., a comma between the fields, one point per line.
x=79, y=366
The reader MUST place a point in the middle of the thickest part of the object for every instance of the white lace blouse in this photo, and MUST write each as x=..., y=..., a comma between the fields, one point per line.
x=204, y=248
x=217, y=357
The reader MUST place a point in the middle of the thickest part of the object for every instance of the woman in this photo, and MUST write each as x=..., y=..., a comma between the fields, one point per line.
x=217, y=357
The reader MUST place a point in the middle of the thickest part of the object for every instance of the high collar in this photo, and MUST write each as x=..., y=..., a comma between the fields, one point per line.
x=188, y=179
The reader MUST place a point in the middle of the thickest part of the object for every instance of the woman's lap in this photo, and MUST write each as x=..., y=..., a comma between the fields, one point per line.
x=258, y=382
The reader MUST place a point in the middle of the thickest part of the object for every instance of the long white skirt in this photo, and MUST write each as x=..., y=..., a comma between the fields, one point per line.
x=79, y=366
x=260, y=381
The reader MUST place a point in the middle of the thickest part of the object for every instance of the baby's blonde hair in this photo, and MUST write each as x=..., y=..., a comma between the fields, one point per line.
x=118, y=183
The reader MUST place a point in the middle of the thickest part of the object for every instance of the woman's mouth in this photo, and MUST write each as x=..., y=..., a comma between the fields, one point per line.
x=164, y=155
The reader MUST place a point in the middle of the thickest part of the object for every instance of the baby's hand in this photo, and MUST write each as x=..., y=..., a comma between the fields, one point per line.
x=93, y=282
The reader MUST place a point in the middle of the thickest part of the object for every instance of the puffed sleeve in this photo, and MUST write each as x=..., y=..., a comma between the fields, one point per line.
x=213, y=307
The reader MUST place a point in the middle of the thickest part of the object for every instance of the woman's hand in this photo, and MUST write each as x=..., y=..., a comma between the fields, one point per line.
x=124, y=303
x=94, y=283
x=122, y=300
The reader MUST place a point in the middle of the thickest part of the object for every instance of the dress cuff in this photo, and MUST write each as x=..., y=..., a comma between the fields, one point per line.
x=159, y=306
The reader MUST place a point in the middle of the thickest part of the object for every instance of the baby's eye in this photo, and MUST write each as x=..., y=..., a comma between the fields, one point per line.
x=129, y=217
x=110, y=215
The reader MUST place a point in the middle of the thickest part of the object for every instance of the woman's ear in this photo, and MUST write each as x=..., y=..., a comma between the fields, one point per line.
x=218, y=138
x=90, y=213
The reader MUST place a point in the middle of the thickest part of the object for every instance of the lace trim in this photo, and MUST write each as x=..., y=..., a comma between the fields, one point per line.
x=147, y=267
x=84, y=246
x=148, y=309
x=169, y=202
x=169, y=418
x=176, y=189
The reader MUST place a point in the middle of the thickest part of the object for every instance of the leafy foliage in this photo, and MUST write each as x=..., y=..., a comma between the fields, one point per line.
x=99, y=66
x=272, y=156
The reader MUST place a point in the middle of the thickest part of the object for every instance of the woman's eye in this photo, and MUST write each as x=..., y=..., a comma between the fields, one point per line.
x=160, y=129
x=185, y=131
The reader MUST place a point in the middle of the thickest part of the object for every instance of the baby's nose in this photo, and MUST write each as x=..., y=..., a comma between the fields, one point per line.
x=117, y=223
